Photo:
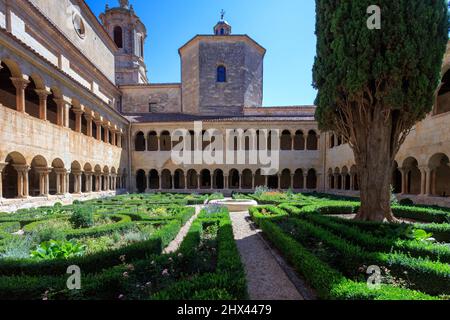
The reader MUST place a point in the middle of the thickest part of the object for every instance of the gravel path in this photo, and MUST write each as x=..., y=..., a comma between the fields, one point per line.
x=175, y=244
x=265, y=278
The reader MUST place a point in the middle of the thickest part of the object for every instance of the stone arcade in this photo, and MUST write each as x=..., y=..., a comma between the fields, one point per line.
x=79, y=118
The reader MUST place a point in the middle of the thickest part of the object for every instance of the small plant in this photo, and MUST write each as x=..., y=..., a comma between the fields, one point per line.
x=260, y=190
x=17, y=247
x=54, y=249
x=394, y=200
x=82, y=217
x=214, y=208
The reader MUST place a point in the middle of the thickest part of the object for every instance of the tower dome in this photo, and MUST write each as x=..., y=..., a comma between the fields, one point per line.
x=222, y=28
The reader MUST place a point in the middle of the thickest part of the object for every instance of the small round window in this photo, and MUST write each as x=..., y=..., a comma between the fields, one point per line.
x=78, y=24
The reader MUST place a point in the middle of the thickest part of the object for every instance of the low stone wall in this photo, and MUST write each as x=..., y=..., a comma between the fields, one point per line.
x=11, y=205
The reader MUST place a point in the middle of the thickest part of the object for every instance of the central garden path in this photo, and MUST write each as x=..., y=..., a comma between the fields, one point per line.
x=265, y=278
x=175, y=244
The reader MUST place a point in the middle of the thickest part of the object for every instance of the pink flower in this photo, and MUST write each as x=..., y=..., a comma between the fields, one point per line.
x=165, y=272
x=125, y=274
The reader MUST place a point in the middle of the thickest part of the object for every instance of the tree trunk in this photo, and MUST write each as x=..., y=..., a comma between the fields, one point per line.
x=374, y=158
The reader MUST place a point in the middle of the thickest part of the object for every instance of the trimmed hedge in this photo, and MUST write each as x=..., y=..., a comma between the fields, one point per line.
x=328, y=282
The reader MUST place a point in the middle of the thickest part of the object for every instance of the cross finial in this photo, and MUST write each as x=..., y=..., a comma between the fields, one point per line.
x=124, y=3
x=222, y=14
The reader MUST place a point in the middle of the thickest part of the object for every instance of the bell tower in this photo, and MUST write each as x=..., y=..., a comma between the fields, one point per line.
x=129, y=34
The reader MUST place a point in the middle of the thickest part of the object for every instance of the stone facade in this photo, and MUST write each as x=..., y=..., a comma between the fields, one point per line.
x=79, y=120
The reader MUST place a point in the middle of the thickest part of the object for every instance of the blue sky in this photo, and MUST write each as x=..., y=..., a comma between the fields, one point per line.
x=284, y=27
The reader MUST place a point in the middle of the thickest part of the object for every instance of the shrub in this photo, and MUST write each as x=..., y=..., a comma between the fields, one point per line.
x=406, y=202
x=82, y=217
x=58, y=250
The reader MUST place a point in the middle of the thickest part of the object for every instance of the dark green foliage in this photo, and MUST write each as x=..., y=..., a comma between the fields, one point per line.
x=398, y=66
x=406, y=202
x=82, y=217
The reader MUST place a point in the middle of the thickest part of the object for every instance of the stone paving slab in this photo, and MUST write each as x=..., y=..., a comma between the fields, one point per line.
x=265, y=278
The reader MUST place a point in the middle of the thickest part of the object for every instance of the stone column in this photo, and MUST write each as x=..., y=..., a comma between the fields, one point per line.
x=344, y=182
x=253, y=181
x=97, y=183
x=226, y=180
x=423, y=180
x=292, y=180
x=106, y=127
x=22, y=180
x=47, y=182
x=428, y=173
x=66, y=110
x=403, y=173
x=20, y=84
x=279, y=180
x=88, y=118
x=88, y=182
x=78, y=115
x=43, y=94
x=113, y=137
x=185, y=181
x=60, y=105
x=319, y=181
x=67, y=181
x=2, y=166
x=198, y=181
x=98, y=124
x=352, y=177
x=305, y=181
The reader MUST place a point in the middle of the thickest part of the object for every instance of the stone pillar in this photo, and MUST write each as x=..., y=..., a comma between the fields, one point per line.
x=67, y=181
x=20, y=84
x=78, y=115
x=88, y=182
x=88, y=118
x=113, y=137
x=403, y=173
x=423, y=180
x=292, y=180
x=253, y=181
x=66, y=110
x=226, y=180
x=22, y=180
x=343, y=179
x=78, y=182
x=97, y=183
x=98, y=124
x=186, y=181
x=305, y=181
x=43, y=95
x=279, y=180
x=47, y=182
x=319, y=181
x=106, y=127
x=433, y=183
x=60, y=103
x=198, y=181
x=352, y=177
x=428, y=173
x=2, y=166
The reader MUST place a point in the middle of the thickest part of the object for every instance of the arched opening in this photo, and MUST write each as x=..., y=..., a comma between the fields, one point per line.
x=118, y=36
x=192, y=179
x=311, y=180
x=166, y=179
x=205, y=179
x=152, y=141
x=260, y=180
x=396, y=179
x=330, y=179
x=298, y=179
x=443, y=97
x=221, y=74
x=299, y=141
x=272, y=182
x=440, y=175
x=154, y=180
x=234, y=179
x=312, y=141
x=165, y=141
x=140, y=141
x=32, y=99
x=332, y=141
x=179, y=179
x=247, y=179
x=218, y=182
x=141, y=181
x=346, y=179
x=87, y=171
x=286, y=140
x=354, y=178
x=337, y=179
x=52, y=109
x=7, y=88
x=57, y=177
x=413, y=176
x=12, y=187
x=285, y=182
x=35, y=176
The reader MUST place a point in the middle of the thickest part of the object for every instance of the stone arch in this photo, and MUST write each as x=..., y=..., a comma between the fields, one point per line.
x=311, y=179
x=338, y=179
x=57, y=177
x=12, y=179
x=205, y=179
x=247, y=179
x=260, y=180
x=312, y=142
x=141, y=181
x=166, y=179
x=152, y=141
x=154, y=182
x=31, y=97
x=299, y=140
x=440, y=175
x=192, y=179
x=75, y=170
x=345, y=178
x=7, y=89
x=286, y=140
x=165, y=141
x=218, y=179
x=139, y=141
x=285, y=179
x=273, y=181
x=234, y=180
x=179, y=179
x=298, y=179
x=118, y=36
x=35, y=178
x=413, y=176
x=355, y=179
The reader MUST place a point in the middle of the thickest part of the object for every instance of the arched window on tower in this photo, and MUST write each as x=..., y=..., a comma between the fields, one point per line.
x=118, y=36
x=141, y=39
x=221, y=74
